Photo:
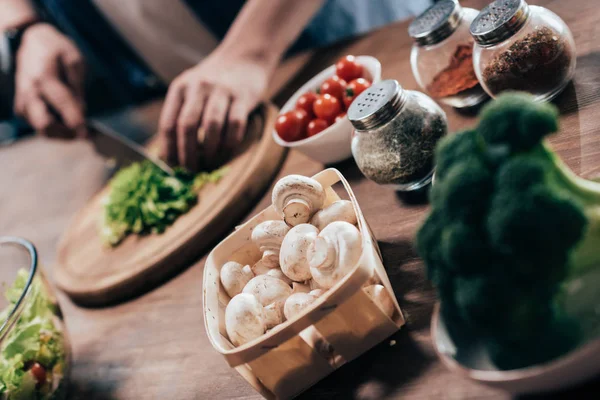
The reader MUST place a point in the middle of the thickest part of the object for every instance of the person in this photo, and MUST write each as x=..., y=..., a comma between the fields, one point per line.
x=61, y=60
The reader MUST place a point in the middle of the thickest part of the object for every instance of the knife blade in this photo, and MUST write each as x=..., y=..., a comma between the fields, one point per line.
x=124, y=151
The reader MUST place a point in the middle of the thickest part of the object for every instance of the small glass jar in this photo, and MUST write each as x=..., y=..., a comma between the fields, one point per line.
x=442, y=55
x=34, y=346
x=522, y=47
x=395, y=135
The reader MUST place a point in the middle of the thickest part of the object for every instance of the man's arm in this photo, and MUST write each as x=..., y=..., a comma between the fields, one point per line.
x=211, y=101
x=48, y=79
x=265, y=29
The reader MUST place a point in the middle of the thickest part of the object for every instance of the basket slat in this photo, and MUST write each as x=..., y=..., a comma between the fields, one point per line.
x=280, y=368
x=355, y=326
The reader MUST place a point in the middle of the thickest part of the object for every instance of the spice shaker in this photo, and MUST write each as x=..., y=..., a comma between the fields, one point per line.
x=522, y=47
x=442, y=54
x=395, y=135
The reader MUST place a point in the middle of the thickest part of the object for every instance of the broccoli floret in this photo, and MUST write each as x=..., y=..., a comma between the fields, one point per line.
x=509, y=224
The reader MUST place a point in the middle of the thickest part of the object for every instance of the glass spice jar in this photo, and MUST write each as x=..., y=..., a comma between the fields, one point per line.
x=442, y=55
x=522, y=47
x=395, y=135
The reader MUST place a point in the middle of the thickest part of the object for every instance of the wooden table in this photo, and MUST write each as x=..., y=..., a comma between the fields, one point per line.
x=155, y=347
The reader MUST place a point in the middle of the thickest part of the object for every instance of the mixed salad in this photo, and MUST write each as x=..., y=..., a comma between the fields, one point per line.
x=143, y=199
x=32, y=359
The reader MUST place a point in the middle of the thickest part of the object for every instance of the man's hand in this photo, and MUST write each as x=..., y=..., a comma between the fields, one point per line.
x=209, y=104
x=49, y=82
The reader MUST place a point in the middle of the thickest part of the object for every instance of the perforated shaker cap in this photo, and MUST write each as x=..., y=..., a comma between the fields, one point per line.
x=499, y=21
x=377, y=105
x=436, y=23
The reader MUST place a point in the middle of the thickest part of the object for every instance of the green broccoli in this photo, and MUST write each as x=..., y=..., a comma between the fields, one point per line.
x=509, y=225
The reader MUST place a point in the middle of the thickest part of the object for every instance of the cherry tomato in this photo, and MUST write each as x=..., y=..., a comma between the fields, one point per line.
x=340, y=117
x=305, y=102
x=39, y=373
x=303, y=118
x=289, y=126
x=334, y=86
x=315, y=126
x=348, y=68
x=327, y=107
x=353, y=89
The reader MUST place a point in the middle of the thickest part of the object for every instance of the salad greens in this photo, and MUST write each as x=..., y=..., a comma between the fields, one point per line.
x=143, y=199
x=32, y=356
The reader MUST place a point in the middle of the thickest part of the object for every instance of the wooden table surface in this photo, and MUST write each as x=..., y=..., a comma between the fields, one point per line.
x=155, y=347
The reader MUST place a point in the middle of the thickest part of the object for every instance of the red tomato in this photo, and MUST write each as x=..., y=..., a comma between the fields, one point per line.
x=290, y=126
x=305, y=102
x=340, y=117
x=39, y=373
x=327, y=107
x=315, y=126
x=353, y=89
x=302, y=117
x=334, y=86
x=348, y=68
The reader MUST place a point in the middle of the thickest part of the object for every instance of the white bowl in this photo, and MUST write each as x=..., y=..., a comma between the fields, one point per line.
x=575, y=367
x=332, y=144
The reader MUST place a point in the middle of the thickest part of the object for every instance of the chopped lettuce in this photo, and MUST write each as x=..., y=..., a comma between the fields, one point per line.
x=33, y=339
x=143, y=199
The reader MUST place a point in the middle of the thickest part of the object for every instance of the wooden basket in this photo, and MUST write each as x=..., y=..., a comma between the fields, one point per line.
x=341, y=324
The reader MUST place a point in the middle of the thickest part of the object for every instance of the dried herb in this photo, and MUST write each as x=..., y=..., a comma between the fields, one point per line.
x=538, y=63
x=401, y=151
x=458, y=76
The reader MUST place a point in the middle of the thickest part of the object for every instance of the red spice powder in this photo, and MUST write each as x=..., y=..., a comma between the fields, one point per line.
x=458, y=76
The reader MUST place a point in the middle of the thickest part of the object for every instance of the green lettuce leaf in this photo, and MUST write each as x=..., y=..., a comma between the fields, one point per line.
x=144, y=199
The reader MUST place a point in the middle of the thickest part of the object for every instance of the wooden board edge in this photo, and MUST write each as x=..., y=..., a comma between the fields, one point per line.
x=131, y=287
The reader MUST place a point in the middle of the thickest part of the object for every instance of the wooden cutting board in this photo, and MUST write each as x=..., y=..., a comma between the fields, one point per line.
x=95, y=275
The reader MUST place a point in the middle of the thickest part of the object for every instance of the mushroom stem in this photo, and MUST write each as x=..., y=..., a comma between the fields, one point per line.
x=296, y=198
x=296, y=211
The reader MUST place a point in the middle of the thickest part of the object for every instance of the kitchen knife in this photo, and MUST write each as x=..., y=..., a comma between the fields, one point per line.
x=124, y=151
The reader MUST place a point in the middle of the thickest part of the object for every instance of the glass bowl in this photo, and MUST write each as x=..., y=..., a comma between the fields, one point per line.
x=34, y=347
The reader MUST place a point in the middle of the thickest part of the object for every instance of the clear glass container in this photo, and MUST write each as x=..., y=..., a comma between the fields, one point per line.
x=34, y=347
x=442, y=55
x=395, y=135
x=522, y=47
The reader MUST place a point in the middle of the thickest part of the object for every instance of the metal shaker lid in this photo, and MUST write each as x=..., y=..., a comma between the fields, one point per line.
x=499, y=21
x=436, y=23
x=376, y=105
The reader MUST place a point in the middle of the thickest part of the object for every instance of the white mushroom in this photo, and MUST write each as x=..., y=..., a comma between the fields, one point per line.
x=317, y=292
x=276, y=273
x=268, y=289
x=341, y=210
x=259, y=268
x=381, y=298
x=296, y=303
x=292, y=255
x=234, y=276
x=334, y=253
x=267, y=236
x=246, y=319
x=296, y=198
x=300, y=288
